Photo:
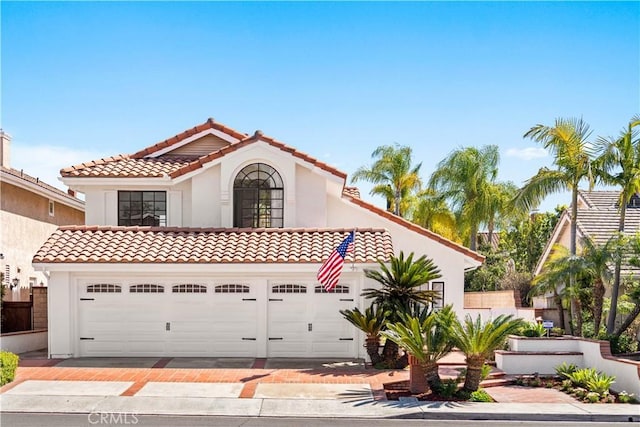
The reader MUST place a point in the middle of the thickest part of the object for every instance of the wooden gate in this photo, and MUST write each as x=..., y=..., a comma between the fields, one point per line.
x=16, y=316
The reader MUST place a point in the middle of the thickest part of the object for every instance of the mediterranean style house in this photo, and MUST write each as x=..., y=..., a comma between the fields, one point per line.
x=208, y=244
x=30, y=210
x=598, y=219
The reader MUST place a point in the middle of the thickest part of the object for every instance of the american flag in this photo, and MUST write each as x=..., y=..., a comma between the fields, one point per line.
x=329, y=272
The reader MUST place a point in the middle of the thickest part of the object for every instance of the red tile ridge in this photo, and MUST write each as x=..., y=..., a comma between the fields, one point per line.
x=209, y=124
x=257, y=136
x=411, y=226
x=217, y=229
x=71, y=169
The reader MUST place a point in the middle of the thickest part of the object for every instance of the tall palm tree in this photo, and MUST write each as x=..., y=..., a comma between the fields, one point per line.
x=500, y=209
x=479, y=340
x=393, y=174
x=463, y=179
x=567, y=142
x=432, y=212
x=618, y=163
x=401, y=289
x=427, y=340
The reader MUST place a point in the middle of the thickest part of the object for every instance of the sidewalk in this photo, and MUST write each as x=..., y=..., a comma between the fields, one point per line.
x=263, y=388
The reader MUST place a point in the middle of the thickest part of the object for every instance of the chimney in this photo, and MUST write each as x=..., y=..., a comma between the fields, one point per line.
x=5, y=149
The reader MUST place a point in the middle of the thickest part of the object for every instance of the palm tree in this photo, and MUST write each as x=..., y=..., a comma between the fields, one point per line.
x=500, y=209
x=427, y=340
x=598, y=259
x=432, y=212
x=463, y=179
x=401, y=291
x=478, y=341
x=618, y=163
x=567, y=142
x=558, y=271
x=371, y=322
x=393, y=174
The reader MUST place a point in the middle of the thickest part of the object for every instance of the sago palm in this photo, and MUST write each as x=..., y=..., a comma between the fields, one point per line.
x=401, y=289
x=394, y=176
x=479, y=340
x=618, y=164
x=371, y=322
x=427, y=340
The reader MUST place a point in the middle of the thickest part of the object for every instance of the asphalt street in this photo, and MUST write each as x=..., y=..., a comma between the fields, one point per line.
x=125, y=419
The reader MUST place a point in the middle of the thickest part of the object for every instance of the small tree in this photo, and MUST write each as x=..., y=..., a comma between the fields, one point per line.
x=371, y=322
x=479, y=340
x=400, y=292
x=427, y=340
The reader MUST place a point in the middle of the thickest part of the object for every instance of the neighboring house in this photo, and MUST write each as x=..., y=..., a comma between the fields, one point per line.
x=30, y=210
x=598, y=219
x=208, y=244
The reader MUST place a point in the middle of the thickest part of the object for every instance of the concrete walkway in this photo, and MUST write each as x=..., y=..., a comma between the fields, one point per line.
x=273, y=387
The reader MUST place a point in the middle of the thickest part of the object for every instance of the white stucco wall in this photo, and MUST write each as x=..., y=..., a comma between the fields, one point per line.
x=20, y=239
x=205, y=198
x=342, y=213
x=627, y=372
x=312, y=202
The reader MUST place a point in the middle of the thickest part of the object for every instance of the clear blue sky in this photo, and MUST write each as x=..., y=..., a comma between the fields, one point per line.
x=86, y=80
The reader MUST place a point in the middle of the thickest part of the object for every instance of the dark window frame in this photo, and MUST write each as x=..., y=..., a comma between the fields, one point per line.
x=258, y=197
x=142, y=208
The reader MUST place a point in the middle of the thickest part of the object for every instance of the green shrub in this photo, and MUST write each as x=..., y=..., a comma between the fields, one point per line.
x=480, y=396
x=565, y=370
x=8, y=366
x=556, y=332
x=567, y=385
x=579, y=392
x=532, y=329
x=592, y=397
x=620, y=344
x=580, y=377
x=624, y=397
x=600, y=384
x=448, y=388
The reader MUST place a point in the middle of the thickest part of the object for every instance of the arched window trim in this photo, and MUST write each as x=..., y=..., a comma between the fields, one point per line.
x=258, y=196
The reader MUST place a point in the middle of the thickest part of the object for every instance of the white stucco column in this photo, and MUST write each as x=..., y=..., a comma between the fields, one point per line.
x=61, y=315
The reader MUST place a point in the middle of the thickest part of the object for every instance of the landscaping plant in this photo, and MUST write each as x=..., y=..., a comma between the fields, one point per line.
x=8, y=366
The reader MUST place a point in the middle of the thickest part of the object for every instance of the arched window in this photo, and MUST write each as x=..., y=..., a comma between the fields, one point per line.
x=258, y=197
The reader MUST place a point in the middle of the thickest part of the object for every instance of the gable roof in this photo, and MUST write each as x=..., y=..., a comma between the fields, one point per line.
x=8, y=173
x=98, y=244
x=144, y=165
x=598, y=220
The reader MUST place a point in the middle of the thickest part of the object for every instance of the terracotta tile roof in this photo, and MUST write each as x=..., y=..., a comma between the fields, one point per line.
x=124, y=166
x=98, y=244
x=351, y=192
x=20, y=174
x=209, y=124
x=138, y=166
x=258, y=136
x=413, y=227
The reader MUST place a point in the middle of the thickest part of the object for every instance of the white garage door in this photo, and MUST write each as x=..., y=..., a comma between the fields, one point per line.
x=186, y=319
x=304, y=321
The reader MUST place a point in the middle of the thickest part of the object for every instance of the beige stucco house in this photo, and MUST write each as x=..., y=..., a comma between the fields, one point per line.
x=30, y=210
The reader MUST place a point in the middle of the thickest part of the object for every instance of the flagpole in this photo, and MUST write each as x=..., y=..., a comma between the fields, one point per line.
x=353, y=253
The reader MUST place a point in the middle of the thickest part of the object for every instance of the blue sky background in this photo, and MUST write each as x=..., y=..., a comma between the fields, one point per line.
x=86, y=80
